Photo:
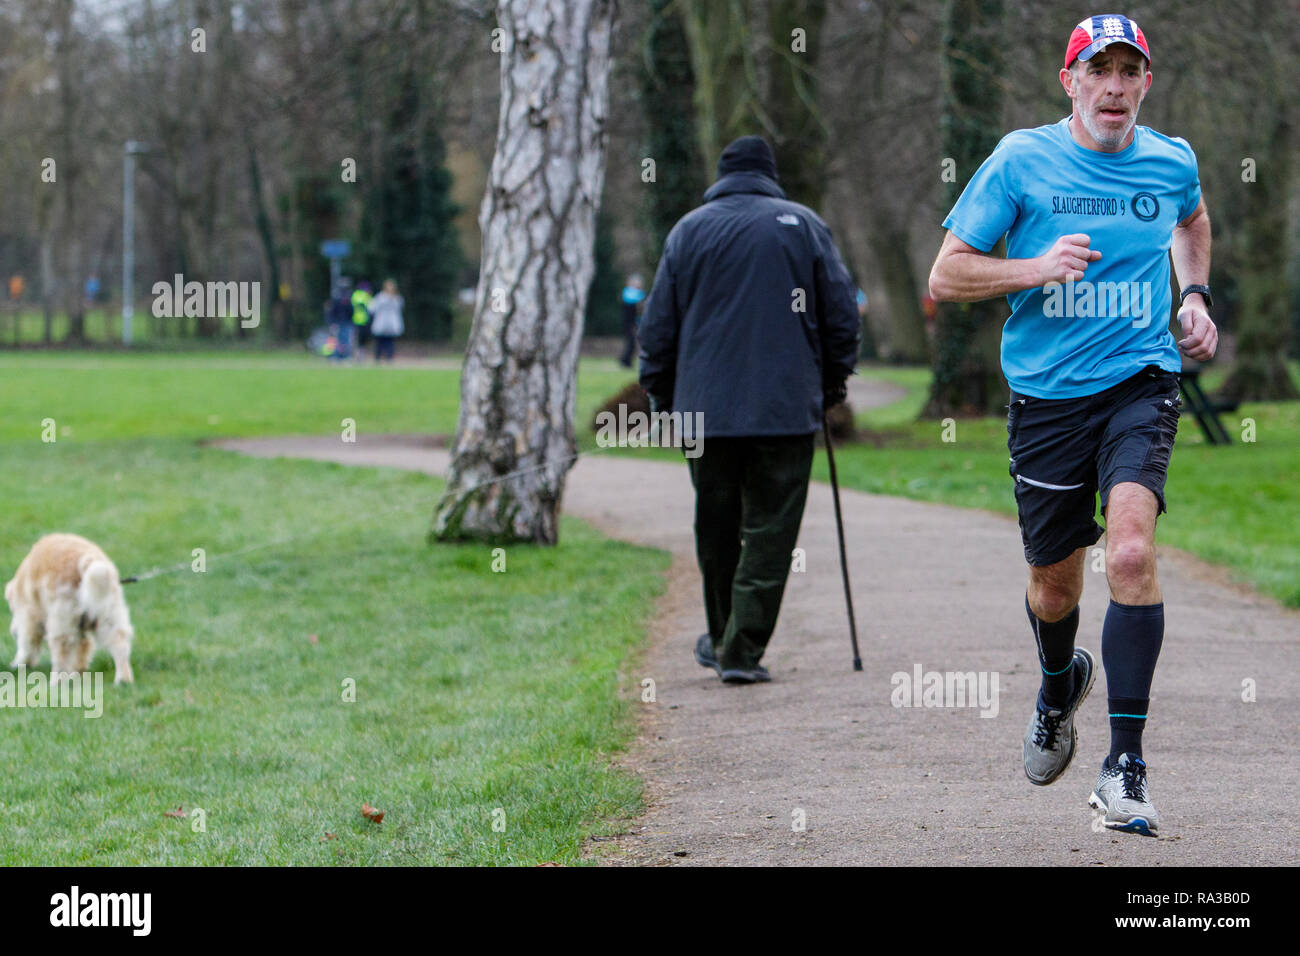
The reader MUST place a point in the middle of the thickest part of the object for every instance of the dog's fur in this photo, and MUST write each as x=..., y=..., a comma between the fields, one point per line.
x=67, y=594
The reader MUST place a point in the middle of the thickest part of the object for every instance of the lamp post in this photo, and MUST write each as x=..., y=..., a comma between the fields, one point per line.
x=129, y=152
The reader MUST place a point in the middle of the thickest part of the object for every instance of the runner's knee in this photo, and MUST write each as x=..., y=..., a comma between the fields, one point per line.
x=1130, y=559
x=1051, y=600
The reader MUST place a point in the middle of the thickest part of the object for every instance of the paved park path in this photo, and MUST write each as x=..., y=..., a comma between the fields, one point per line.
x=731, y=771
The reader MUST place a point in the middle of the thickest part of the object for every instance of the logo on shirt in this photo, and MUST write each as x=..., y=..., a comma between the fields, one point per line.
x=1086, y=206
x=1145, y=206
x=788, y=219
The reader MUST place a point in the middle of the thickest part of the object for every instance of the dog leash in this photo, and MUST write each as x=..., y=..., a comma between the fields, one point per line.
x=158, y=572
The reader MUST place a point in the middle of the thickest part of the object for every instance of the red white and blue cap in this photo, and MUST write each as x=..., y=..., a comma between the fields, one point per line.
x=1096, y=33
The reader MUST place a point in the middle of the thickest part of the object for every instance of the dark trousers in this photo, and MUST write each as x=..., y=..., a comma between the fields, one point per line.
x=343, y=336
x=749, y=500
x=629, y=339
x=384, y=346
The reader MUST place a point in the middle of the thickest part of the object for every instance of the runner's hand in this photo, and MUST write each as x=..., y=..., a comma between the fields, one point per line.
x=1201, y=338
x=1067, y=259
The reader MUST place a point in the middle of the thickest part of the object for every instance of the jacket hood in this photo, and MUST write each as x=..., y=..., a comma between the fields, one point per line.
x=745, y=181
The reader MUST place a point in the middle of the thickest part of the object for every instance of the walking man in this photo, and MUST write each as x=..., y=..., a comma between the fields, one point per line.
x=751, y=323
x=1091, y=208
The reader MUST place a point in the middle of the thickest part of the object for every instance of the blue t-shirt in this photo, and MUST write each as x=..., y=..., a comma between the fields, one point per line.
x=1067, y=341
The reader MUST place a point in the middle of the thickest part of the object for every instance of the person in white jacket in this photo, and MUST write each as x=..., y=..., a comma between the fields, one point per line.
x=386, y=320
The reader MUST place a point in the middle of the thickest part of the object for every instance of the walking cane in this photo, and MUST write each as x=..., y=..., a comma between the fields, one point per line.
x=844, y=561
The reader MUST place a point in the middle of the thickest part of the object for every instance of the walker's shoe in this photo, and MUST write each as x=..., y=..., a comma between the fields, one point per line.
x=1051, y=739
x=1121, y=794
x=746, y=675
x=704, y=655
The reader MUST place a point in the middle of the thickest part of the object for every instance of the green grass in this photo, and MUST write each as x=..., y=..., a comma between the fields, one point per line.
x=914, y=380
x=475, y=690
x=103, y=326
x=198, y=395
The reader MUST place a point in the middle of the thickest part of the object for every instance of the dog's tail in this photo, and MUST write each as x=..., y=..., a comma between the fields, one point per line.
x=98, y=581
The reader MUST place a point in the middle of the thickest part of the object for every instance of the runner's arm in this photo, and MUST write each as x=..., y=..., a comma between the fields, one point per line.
x=962, y=273
x=1190, y=250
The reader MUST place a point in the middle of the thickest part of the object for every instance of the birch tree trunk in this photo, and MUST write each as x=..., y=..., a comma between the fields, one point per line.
x=515, y=441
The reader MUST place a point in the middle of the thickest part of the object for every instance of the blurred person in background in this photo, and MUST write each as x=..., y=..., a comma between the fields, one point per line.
x=338, y=316
x=386, y=320
x=633, y=296
x=361, y=300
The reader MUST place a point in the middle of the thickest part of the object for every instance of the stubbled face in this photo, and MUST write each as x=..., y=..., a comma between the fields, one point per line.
x=1107, y=91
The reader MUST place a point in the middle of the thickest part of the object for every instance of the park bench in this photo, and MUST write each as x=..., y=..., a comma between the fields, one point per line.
x=1205, y=408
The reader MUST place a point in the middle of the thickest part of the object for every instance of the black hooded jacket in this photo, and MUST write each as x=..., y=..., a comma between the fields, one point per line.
x=751, y=315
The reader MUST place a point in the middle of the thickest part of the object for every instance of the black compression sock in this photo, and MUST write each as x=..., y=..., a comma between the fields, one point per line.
x=1126, y=726
x=1055, y=656
x=1130, y=646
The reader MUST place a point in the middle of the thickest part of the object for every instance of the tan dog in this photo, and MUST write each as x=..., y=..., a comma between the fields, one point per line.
x=67, y=593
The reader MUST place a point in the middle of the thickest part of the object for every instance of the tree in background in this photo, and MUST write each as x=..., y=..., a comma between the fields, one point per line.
x=762, y=83
x=882, y=172
x=314, y=209
x=406, y=229
x=967, y=375
x=604, y=315
x=726, y=75
x=514, y=439
x=798, y=130
x=709, y=78
x=666, y=82
x=67, y=55
x=1263, y=327
x=1260, y=371
x=1294, y=350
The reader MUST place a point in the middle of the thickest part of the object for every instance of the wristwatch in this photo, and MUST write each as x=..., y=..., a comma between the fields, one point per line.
x=1202, y=289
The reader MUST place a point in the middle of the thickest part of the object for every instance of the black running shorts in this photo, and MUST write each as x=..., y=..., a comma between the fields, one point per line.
x=1064, y=451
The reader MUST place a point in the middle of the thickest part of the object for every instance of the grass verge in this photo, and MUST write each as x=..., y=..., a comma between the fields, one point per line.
x=480, y=697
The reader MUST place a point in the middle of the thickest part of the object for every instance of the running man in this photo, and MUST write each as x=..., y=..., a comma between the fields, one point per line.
x=1091, y=208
